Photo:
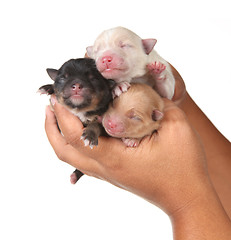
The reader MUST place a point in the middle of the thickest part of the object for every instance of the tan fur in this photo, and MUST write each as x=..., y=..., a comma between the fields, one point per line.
x=77, y=112
x=140, y=100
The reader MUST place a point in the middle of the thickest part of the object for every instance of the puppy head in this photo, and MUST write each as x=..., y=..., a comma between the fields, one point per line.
x=120, y=54
x=135, y=113
x=79, y=86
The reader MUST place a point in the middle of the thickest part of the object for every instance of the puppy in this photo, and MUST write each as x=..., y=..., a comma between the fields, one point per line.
x=134, y=114
x=80, y=87
x=131, y=120
x=123, y=56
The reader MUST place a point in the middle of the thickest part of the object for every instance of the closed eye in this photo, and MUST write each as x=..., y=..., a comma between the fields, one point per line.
x=133, y=116
x=125, y=45
x=136, y=118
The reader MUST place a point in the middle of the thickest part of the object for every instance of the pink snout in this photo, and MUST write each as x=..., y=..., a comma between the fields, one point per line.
x=107, y=60
x=113, y=126
x=106, y=63
x=110, y=61
x=76, y=89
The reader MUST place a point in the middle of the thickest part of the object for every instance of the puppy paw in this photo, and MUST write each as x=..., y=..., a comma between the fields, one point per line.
x=120, y=88
x=46, y=89
x=73, y=178
x=131, y=142
x=89, y=138
x=156, y=68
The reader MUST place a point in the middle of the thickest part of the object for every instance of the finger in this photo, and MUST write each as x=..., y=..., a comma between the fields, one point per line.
x=172, y=112
x=72, y=128
x=63, y=150
x=52, y=131
x=107, y=147
x=168, y=105
x=69, y=124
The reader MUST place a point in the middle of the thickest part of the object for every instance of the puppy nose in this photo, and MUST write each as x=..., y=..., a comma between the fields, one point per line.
x=112, y=124
x=107, y=59
x=75, y=88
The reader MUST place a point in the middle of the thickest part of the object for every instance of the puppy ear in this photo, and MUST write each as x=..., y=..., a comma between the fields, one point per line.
x=148, y=44
x=89, y=51
x=157, y=115
x=53, y=73
x=46, y=89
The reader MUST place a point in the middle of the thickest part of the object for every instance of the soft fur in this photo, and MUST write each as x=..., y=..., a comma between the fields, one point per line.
x=134, y=114
x=123, y=56
x=80, y=87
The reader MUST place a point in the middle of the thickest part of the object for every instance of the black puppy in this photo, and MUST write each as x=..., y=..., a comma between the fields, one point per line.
x=80, y=87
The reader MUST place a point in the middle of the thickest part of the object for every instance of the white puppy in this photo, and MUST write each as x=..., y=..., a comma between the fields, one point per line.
x=123, y=56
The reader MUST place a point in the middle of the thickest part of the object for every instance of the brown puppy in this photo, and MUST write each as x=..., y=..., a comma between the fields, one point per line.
x=134, y=114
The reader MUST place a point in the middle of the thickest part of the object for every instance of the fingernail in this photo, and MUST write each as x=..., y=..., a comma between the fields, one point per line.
x=53, y=100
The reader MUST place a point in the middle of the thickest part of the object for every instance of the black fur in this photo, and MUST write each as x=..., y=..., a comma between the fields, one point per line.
x=97, y=96
x=82, y=71
x=48, y=89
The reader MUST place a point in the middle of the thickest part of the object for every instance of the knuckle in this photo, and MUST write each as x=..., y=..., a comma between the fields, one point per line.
x=60, y=156
x=176, y=115
x=177, y=121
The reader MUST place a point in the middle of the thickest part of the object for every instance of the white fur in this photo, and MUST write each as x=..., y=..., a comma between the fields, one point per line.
x=135, y=59
x=80, y=115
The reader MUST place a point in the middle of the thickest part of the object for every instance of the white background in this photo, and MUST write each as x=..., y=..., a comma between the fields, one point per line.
x=37, y=201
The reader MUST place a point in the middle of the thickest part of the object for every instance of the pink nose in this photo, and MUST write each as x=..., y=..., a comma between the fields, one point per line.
x=107, y=59
x=112, y=124
x=75, y=89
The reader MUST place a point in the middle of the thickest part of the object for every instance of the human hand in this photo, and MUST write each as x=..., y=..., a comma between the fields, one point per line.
x=168, y=168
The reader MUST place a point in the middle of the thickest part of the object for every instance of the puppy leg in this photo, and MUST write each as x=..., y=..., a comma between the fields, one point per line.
x=91, y=133
x=120, y=88
x=90, y=138
x=165, y=82
x=46, y=89
x=156, y=68
x=75, y=176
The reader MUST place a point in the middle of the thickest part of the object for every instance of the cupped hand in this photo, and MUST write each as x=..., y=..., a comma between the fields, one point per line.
x=167, y=169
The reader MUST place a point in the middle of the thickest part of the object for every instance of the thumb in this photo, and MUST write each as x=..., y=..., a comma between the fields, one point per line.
x=172, y=111
x=69, y=124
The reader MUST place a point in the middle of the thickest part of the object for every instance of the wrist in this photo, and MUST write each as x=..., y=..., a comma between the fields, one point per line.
x=202, y=218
